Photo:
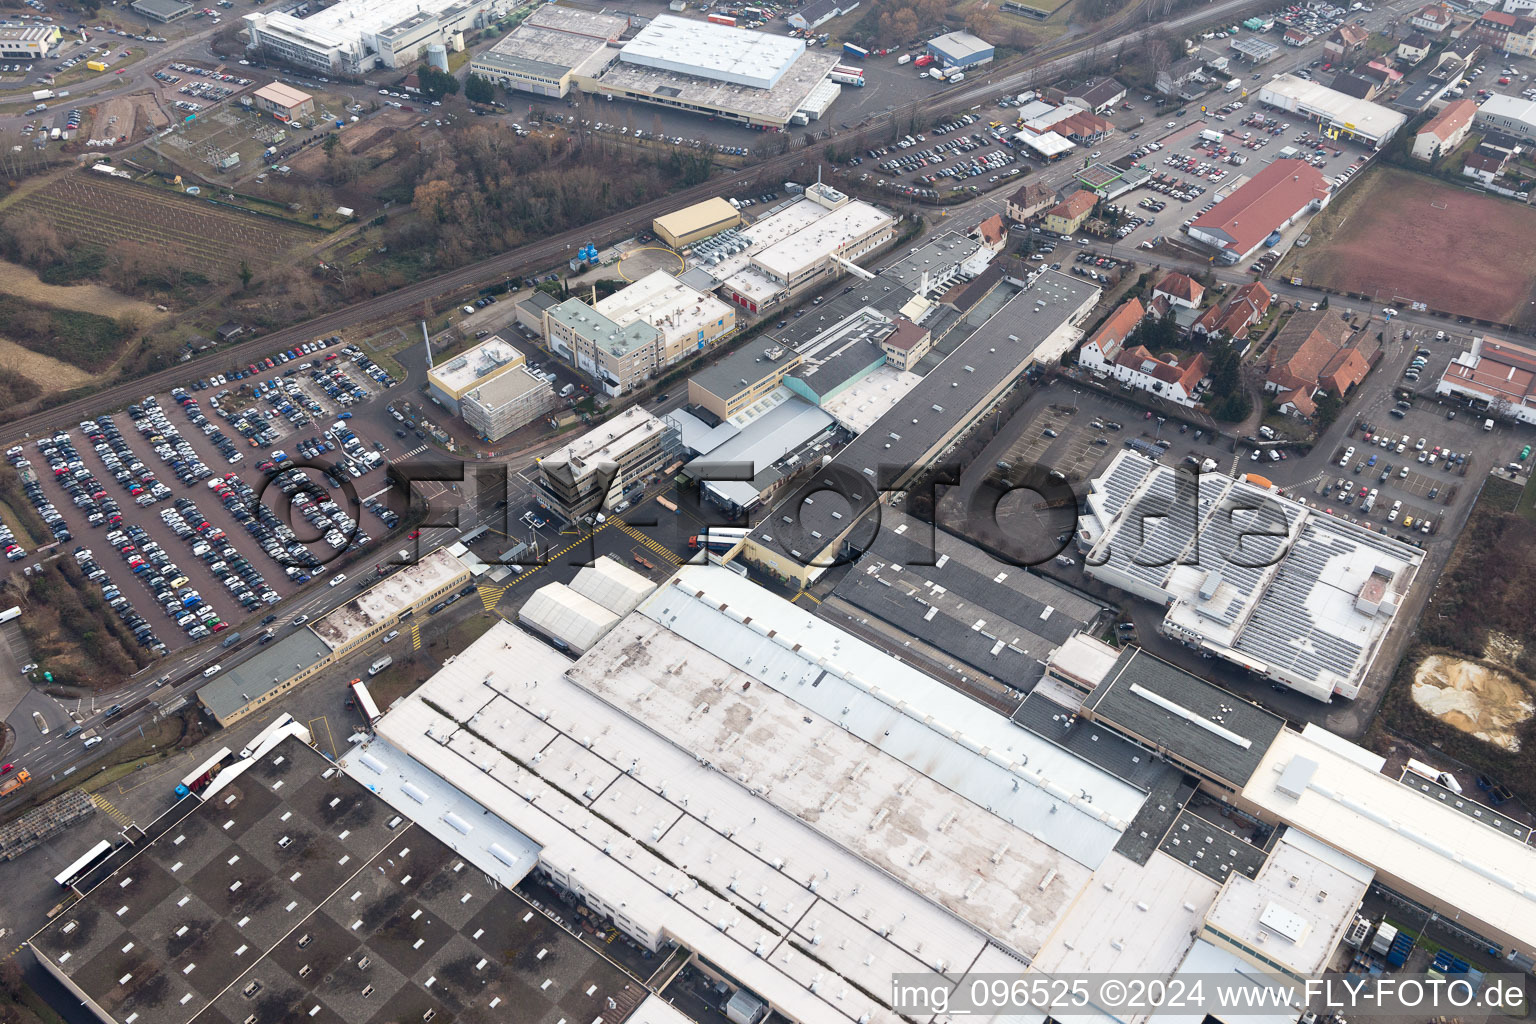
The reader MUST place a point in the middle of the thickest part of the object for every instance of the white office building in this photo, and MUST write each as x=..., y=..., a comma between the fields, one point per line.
x=355, y=36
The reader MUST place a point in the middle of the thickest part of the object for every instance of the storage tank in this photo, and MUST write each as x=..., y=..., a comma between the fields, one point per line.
x=437, y=56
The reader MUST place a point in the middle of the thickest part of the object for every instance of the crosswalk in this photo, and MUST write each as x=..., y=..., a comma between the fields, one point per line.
x=660, y=549
x=415, y=637
x=410, y=454
x=106, y=807
x=490, y=596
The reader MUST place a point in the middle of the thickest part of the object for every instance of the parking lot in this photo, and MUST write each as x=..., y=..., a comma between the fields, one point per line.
x=222, y=498
x=945, y=158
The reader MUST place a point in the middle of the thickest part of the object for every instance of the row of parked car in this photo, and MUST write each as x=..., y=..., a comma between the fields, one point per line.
x=219, y=439
x=142, y=631
x=51, y=516
x=84, y=490
x=121, y=461
x=174, y=450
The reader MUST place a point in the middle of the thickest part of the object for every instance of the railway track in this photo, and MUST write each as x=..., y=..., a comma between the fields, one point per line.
x=525, y=260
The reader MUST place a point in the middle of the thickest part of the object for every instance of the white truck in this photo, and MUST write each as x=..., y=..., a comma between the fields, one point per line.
x=958, y=76
x=938, y=73
x=1233, y=85
x=905, y=58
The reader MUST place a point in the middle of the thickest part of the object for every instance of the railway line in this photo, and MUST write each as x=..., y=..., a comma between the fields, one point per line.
x=525, y=260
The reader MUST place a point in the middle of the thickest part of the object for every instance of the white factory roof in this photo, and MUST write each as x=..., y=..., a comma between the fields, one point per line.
x=1067, y=803
x=1297, y=908
x=574, y=619
x=718, y=52
x=438, y=806
x=656, y=1010
x=638, y=814
x=1310, y=606
x=1131, y=919
x=839, y=228
x=766, y=231
x=471, y=365
x=1370, y=119
x=1047, y=118
x=607, y=442
x=344, y=22
x=861, y=403
x=386, y=599
x=1404, y=834
x=1215, y=966
x=664, y=302
x=616, y=587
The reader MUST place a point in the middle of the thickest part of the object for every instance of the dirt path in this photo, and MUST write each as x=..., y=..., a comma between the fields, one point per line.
x=46, y=372
x=23, y=282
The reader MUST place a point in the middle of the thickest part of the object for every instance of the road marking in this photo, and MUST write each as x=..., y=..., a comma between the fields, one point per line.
x=654, y=545
x=415, y=637
x=409, y=455
x=105, y=806
x=328, y=737
x=490, y=596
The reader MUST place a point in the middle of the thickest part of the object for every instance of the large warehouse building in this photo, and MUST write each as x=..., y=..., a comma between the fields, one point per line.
x=1338, y=114
x=692, y=223
x=28, y=42
x=1268, y=202
x=1300, y=598
x=961, y=50
x=355, y=36
x=551, y=48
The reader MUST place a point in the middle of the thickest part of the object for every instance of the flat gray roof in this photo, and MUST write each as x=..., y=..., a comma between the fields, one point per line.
x=219, y=916
x=1001, y=619
x=750, y=363
x=1173, y=710
x=161, y=8
x=940, y=403
x=273, y=665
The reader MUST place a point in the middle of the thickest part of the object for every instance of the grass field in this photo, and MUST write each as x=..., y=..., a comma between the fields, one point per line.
x=188, y=232
x=1401, y=237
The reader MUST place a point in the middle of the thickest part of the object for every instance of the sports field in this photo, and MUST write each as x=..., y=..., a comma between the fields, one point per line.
x=1400, y=237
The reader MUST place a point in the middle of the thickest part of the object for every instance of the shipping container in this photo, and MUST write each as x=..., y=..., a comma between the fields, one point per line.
x=95, y=65
x=855, y=51
x=721, y=19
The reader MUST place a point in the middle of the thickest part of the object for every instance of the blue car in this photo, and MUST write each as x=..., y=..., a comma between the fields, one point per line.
x=1371, y=461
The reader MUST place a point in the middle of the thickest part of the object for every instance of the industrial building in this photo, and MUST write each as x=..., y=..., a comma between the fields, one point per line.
x=507, y=402
x=799, y=541
x=353, y=37
x=941, y=261
x=550, y=49
x=954, y=602
x=754, y=78
x=961, y=50
x=746, y=461
x=819, y=12
x=1508, y=114
x=1337, y=114
x=383, y=606
x=162, y=10
x=274, y=670
x=286, y=890
x=621, y=356
x=283, y=101
x=1257, y=579
x=449, y=380
x=1270, y=201
x=1494, y=371
x=686, y=320
x=280, y=666
x=742, y=378
x=29, y=42
x=692, y=223
x=800, y=246
x=592, y=472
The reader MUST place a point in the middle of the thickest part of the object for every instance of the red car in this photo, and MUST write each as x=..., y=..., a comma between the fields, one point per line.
x=7, y=769
x=415, y=534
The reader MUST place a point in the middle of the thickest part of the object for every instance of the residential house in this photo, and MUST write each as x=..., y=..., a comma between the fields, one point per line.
x=1352, y=83
x=1068, y=215
x=1492, y=29
x=1176, y=79
x=1520, y=41
x=1084, y=128
x=1029, y=200
x=1295, y=36
x=1097, y=95
x=1485, y=163
x=1432, y=19
x=1232, y=318
x=1382, y=72
x=992, y=233
x=1180, y=290
x=1107, y=353
x=1317, y=352
x=1413, y=49
x=1345, y=41
x=1447, y=130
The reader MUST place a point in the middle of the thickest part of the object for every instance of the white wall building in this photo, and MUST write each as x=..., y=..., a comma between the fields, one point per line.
x=355, y=36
